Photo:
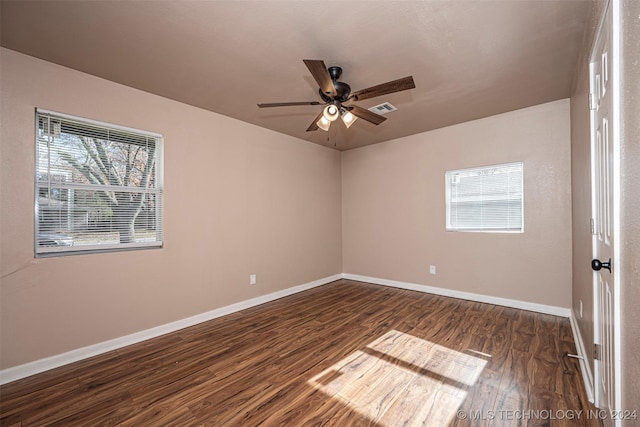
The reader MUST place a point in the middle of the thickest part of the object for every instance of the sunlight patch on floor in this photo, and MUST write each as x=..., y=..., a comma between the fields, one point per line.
x=402, y=380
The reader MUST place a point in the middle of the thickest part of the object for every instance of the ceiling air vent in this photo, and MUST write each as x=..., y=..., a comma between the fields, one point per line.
x=383, y=108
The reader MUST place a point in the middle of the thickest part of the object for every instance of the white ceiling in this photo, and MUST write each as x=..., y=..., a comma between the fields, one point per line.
x=469, y=59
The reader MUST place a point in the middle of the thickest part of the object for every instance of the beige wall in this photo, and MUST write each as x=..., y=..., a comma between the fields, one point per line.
x=630, y=205
x=239, y=200
x=393, y=208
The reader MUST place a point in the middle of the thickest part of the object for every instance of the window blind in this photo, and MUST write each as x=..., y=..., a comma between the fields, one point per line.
x=98, y=186
x=485, y=199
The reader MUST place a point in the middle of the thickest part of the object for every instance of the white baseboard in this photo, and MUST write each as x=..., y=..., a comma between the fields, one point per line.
x=37, y=366
x=522, y=305
x=587, y=376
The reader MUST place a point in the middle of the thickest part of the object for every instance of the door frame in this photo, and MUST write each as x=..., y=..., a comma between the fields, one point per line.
x=612, y=9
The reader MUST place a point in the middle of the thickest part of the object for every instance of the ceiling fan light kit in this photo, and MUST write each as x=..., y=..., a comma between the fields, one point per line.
x=336, y=94
x=331, y=113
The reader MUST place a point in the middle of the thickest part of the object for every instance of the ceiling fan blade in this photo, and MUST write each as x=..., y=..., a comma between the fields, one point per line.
x=384, y=88
x=314, y=125
x=367, y=115
x=287, y=104
x=321, y=75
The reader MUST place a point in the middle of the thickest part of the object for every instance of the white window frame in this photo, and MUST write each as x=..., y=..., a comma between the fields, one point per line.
x=481, y=229
x=158, y=191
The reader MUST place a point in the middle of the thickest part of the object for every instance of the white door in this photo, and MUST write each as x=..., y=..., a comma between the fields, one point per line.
x=602, y=196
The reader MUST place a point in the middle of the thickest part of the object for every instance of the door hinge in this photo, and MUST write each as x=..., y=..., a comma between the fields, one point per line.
x=593, y=227
x=592, y=102
x=597, y=349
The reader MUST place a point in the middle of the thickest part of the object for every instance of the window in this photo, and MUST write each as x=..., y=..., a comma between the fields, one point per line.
x=485, y=199
x=98, y=186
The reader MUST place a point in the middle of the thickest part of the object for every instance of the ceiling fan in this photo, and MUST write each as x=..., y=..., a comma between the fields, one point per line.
x=335, y=94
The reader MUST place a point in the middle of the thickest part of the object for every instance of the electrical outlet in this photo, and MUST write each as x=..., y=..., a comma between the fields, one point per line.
x=252, y=279
x=432, y=269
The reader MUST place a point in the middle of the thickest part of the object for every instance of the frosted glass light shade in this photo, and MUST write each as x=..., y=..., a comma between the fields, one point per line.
x=348, y=119
x=323, y=124
x=331, y=113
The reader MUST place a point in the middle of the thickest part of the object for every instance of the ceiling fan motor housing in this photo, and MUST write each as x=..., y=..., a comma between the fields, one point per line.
x=343, y=90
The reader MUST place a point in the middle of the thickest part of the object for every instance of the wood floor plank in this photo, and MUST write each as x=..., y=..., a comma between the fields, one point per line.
x=415, y=404
x=514, y=388
x=344, y=354
x=16, y=404
x=81, y=409
x=480, y=399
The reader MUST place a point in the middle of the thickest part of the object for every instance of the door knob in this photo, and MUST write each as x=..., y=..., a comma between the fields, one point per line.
x=597, y=265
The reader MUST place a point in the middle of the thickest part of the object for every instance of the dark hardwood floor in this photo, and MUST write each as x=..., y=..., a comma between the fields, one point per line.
x=343, y=354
